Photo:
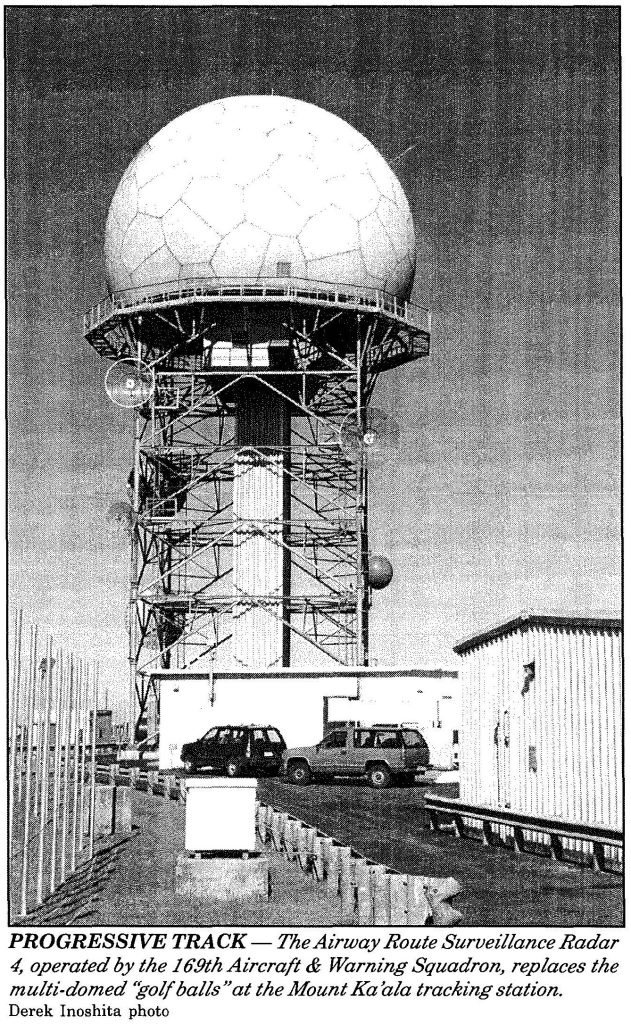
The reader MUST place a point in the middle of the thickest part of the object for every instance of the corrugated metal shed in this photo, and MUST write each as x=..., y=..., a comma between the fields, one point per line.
x=542, y=716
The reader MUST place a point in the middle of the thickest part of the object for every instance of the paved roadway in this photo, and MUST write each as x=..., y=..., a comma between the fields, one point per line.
x=500, y=888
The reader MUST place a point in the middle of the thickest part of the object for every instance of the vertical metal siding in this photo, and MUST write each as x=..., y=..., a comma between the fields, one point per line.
x=260, y=553
x=571, y=715
x=258, y=559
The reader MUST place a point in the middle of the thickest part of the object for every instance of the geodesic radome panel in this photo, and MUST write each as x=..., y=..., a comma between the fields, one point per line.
x=260, y=187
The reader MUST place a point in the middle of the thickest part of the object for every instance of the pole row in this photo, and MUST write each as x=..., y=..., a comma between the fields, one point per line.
x=53, y=698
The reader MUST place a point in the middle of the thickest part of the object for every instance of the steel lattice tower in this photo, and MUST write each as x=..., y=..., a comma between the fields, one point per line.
x=249, y=512
x=250, y=516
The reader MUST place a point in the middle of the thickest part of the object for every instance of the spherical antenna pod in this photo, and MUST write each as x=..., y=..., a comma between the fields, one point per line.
x=379, y=572
x=129, y=384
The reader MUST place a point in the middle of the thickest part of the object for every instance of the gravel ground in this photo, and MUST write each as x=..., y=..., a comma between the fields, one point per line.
x=500, y=888
x=141, y=892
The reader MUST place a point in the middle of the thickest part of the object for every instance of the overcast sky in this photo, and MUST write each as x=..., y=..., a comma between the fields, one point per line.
x=506, y=494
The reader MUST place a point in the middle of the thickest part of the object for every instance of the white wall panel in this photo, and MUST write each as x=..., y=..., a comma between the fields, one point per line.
x=571, y=715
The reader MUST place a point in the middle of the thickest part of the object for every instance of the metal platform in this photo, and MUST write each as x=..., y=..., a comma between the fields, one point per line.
x=99, y=319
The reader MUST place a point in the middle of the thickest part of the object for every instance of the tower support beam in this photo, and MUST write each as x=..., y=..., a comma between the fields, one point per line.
x=250, y=517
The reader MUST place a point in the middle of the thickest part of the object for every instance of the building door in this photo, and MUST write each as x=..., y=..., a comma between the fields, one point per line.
x=502, y=740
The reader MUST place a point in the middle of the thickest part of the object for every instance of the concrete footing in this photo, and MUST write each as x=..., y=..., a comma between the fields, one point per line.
x=222, y=878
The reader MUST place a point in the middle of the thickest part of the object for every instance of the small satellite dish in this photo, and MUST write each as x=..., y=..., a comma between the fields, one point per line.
x=379, y=571
x=129, y=384
x=377, y=438
x=120, y=517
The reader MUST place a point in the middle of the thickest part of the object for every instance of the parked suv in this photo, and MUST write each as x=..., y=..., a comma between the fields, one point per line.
x=379, y=753
x=236, y=750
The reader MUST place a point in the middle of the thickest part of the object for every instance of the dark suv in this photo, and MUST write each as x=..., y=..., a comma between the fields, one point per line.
x=236, y=750
x=379, y=753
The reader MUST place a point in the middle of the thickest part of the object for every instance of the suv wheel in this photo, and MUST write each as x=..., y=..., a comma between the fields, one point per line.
x=299, y=773
x=378, y=776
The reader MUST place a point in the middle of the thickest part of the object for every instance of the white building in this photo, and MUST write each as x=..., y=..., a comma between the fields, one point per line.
x=427, y=698
x=542, y=717
x=302, y=703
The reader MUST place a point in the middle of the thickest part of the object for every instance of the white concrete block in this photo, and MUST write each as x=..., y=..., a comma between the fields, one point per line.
x=220, y=814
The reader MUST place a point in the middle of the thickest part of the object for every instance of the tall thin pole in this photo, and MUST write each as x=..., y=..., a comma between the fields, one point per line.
x=84, y=739
x=67, y=736
x=75, y=773
x=45, y=770
x=37, y=733
x=95, y=691
x=16, y=677
x=24, y=710
x=29, y=762
x=59, y=699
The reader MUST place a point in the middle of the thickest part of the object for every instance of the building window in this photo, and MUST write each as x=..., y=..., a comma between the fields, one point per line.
x=283, y=270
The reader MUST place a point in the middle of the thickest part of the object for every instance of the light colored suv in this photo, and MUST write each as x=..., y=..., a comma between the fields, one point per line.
x=380, y=753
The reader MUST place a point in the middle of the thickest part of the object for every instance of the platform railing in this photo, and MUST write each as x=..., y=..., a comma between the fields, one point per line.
x=264, y=289
x=459, y=813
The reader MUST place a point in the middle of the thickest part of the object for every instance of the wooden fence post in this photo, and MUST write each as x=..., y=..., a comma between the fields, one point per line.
x=301, y=845
x=379, y=888
x=326, y=846
x=418, y=906
x=261, y=827
x=318, y=858
x=347, y=889
x=398, y=899
x=362, y=883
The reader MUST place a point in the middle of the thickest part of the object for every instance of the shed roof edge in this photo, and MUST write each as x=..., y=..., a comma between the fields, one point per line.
x=532, y=617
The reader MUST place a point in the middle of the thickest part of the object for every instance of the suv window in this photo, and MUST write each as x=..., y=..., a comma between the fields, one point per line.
x=387, y=739
x=230, y=735
x=364, y=738
x=412, y=738
x=334, y=740
x=274, y=736
x=210, y=735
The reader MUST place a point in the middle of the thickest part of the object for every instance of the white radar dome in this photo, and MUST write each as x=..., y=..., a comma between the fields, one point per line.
x=260, y=187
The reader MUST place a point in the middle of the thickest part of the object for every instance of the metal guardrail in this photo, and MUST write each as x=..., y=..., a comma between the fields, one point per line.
x=370, y=893
x=598, y=835
x=257, y=289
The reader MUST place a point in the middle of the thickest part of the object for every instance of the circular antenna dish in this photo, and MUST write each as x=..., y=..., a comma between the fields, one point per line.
x=129, y=384
x=120, y=517
x=377, y=437
x=379, y=571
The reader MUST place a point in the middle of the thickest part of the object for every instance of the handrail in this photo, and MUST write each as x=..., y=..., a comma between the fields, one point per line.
x=270, y=289
x=597, y=833
x=534, y=822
